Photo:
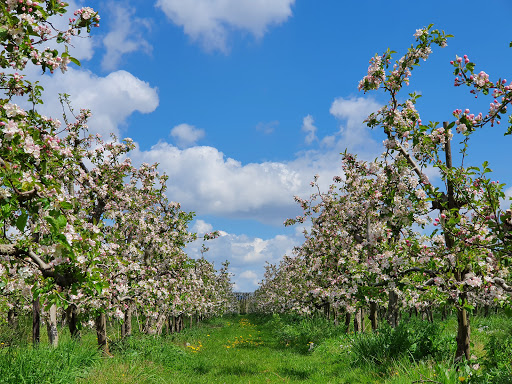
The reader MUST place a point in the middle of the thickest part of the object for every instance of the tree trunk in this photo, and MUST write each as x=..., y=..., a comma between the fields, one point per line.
x=101, y=332
x=73, y=322
x=373, y=315
x=126, y=327
x=154, y=327
x=36, y=322
x=347, y=321
x=359, y=321
x=327, y=311
x=463, y=330
x=51, y=326
x=11, y=318
x=392, y=315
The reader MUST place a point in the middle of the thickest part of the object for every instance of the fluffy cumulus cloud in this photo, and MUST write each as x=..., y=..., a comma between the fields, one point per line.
x=206, y=181
x=123, y=38
x=201, y=227
x=210, y=21
x=354, y=134
x=247, y=255
x=186, y=135
x=310, y=129
x=111, y=99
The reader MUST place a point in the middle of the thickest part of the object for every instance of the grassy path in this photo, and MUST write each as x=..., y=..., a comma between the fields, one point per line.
x=265, y=349
x=233, y=350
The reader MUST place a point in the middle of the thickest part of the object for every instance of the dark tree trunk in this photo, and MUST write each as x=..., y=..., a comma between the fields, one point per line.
x=36, y=321
x=101, y=332
x=463, y=331
x=392, y=315
x=73, y=322
x=12, y=318
x=327, y=311
x=347, y=321
x=126, y=327
x=373, y=315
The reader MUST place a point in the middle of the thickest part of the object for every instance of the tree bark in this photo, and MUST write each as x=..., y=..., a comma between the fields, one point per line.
x=373, y=315
x=392, y=315
x=327, y=311
x=463, y=330
x=359, y=321
x=347, y=321
x=11, y=318
x=101, y=332
x=126, y=327
x=154, y=327
x=36, y=322
x=72, y=317
x=51, y=326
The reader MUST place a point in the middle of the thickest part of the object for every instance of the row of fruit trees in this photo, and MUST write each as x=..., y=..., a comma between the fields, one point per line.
x=382, y=235
x=83, y=229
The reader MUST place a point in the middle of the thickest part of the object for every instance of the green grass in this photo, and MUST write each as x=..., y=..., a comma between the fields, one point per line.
x=268, y=349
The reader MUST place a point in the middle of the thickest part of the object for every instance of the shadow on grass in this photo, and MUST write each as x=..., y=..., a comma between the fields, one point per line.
x=294, y=373
x=239, y=370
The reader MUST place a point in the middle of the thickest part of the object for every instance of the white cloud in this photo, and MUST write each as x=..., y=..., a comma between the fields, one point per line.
x=309, y=127
x=354, y=134
x=186, y=135
x=111, y=99
x=247, y=255
x=205, y=181
x=123, y=38
x=248, y=279
x=201, y=227
x=210, y=21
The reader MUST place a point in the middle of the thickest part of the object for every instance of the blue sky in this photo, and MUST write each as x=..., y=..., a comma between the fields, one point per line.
x=242, y=102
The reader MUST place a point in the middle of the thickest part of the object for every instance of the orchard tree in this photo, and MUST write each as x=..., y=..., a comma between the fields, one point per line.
x=35, y=204
x=83, y=228
x=473, y=253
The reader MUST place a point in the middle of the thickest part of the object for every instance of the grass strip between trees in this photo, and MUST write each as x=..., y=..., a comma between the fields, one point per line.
x=270, y=349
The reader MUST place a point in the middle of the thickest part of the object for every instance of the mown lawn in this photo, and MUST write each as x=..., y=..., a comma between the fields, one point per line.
x=266, y=349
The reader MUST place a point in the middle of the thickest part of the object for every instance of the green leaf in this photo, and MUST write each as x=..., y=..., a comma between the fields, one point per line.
x=66, y=205
x=22, y=221
x=3, y=33
x=53, y=223
x=75, y=61
x=62, y=221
